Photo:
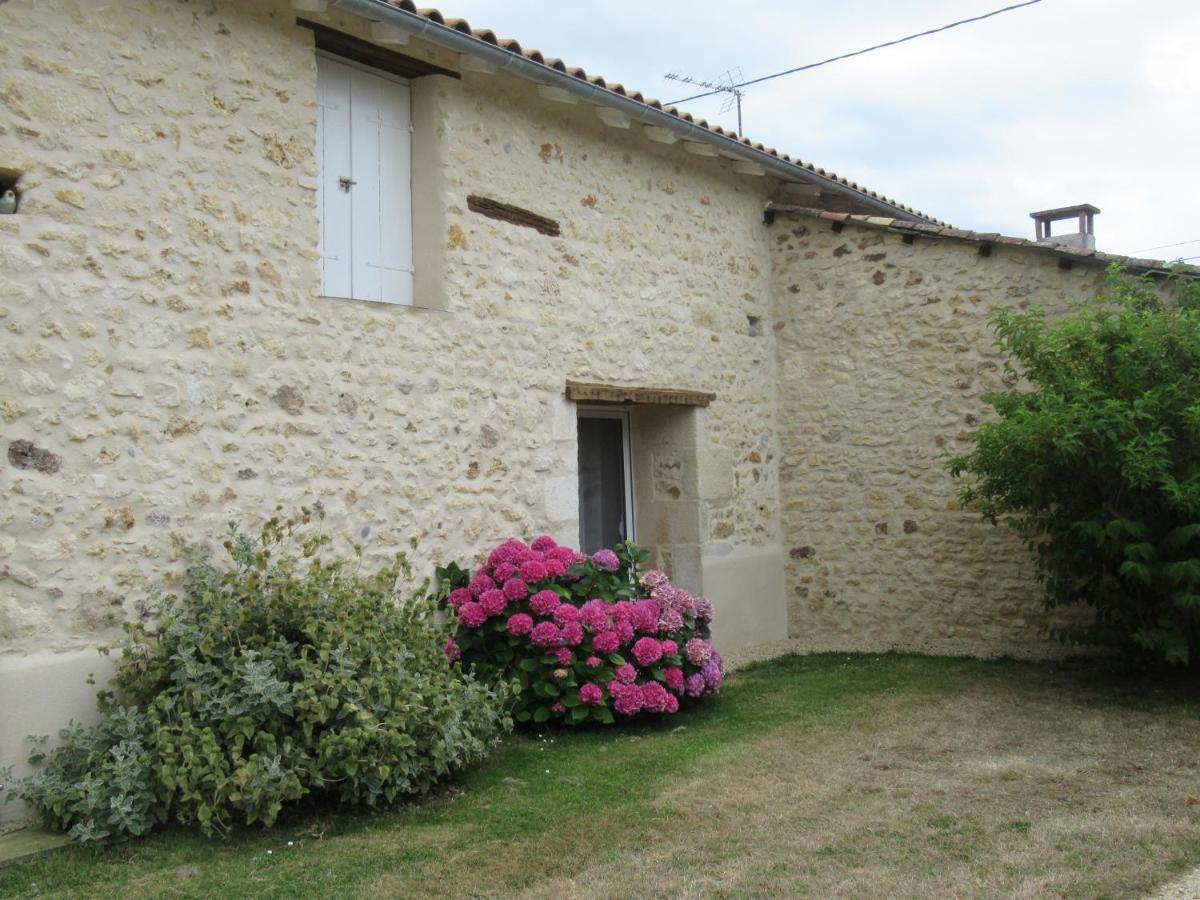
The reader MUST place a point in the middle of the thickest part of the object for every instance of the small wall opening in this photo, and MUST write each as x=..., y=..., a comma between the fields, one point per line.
x=10, y=191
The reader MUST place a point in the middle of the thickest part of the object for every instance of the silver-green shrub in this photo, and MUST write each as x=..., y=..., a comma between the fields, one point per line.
x=277, y=676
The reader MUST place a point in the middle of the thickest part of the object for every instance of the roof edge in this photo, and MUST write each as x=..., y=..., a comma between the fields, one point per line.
x=420, y=26
x=922, y=229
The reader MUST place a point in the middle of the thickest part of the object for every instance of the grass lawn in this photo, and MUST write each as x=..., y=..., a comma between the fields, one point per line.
x=823, y=776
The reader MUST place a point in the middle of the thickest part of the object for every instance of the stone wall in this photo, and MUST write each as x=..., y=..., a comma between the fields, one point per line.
x=168, y=365
x=885, y=353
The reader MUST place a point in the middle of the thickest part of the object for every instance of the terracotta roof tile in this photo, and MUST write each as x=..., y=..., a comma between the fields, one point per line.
x=488, y=36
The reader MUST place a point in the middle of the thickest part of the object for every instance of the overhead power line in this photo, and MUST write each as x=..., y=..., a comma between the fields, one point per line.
x=833, y=59
x=1168, y=246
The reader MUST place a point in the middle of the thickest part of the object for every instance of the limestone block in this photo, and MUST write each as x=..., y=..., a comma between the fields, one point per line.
x=715, y=467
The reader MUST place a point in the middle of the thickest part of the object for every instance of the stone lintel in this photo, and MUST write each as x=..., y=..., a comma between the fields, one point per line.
x=614, y=393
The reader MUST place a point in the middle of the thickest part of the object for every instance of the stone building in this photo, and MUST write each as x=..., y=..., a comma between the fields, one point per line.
x=269, y=253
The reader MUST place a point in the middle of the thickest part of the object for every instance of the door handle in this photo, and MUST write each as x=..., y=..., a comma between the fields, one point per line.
x=346, y=182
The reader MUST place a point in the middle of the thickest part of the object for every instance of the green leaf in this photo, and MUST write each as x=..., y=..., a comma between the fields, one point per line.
x=1178, y=538
x=541, y=714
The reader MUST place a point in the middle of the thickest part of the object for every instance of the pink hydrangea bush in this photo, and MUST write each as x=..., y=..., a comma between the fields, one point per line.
x=589, y=639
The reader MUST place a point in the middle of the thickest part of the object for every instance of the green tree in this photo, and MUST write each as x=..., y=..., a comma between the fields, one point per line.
x=1094, y=458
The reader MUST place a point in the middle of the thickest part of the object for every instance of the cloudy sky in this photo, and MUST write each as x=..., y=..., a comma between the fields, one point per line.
x=1063, y=102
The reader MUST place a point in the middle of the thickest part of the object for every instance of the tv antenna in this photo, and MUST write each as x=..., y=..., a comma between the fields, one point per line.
x=728, y=83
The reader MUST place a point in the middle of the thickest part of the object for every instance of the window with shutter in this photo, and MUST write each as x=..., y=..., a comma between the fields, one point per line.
x=364, y=194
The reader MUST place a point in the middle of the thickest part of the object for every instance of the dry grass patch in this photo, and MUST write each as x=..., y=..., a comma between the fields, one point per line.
x=1002, y=790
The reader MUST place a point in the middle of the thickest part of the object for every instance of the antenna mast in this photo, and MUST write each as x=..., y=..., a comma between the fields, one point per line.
x=725, y=84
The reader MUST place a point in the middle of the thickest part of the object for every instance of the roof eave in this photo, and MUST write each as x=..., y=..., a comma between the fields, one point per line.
x=426, y=29
x=1132, y=263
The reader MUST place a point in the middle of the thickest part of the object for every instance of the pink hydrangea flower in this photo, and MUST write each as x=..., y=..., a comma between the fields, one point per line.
x=472, y=614
x=607, y=642
x=654, y=697
x=627, y=698
x=675, y=598
x=645, y=616
x=653, y=579
x=626, y=674
x=704, y=610
x=565, y=612
x=543, y=543
x=479, y=584
x=520, y=624
x=515, y=589
x=546, y=634
x=670, y=621
x=593, y=662
x=591, y=695
x=506, y=552
x=573, y=633
x=698, y=652
x=565, y=657
x=674, y=678
x=493, y=602
x=451, y=650
x=670, y=648
x=564, y=554
x=594, y=614
x=558, y=708
x=606, y=560
x=503, y=572
x=624, y=632
x=544, y=602
x=555, y=568
x=533, y=570
x=459, y=596
x=672, y=703
x=621, y=611
x=647, y=651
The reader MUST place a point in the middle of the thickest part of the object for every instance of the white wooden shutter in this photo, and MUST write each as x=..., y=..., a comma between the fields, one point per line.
x=333, y=158
x=373, y=218
x=395, y=195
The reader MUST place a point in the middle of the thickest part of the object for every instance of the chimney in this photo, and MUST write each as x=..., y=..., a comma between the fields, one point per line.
x=1083, y=239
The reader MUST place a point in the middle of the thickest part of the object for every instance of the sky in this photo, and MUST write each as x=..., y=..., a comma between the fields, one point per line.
x=1059, y=103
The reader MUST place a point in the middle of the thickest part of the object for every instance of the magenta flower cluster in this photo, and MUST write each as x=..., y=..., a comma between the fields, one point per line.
x=531, y=609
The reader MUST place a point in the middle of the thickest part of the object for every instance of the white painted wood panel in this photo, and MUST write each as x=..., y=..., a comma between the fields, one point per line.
x=333, y=159
x=364, y=135
x=366, y=96
x=395, y=195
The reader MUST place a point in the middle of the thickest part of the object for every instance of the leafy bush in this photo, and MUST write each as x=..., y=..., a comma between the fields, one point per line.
x=1097, y=464
x=98, y=781
x=275, y=678
x=585, y=638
